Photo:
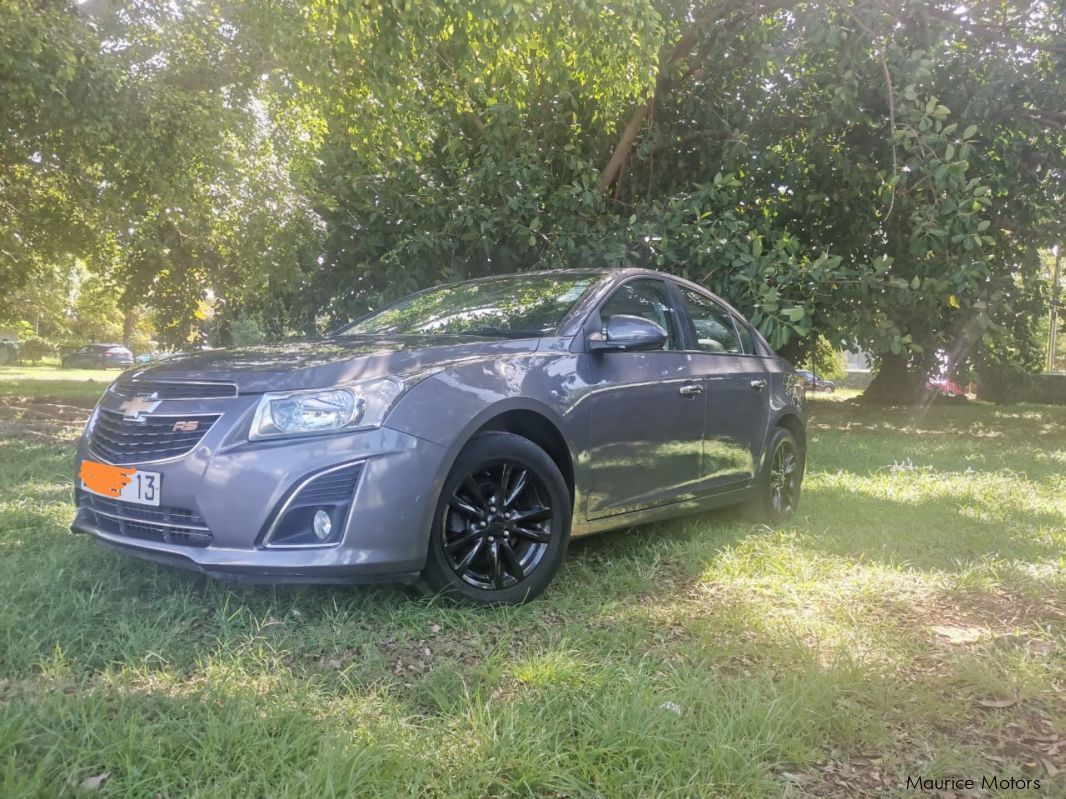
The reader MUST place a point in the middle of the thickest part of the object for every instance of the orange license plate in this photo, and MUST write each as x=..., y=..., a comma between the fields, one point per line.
x=121, y=482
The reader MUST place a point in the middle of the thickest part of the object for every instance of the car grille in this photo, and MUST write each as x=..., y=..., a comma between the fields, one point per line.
x=165, y=524
x=152, y=438
x=166, y=390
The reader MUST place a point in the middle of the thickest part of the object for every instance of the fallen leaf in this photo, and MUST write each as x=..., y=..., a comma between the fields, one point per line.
x=959, y=635
x=673, y=707
x=94, y=783
x=997, y=703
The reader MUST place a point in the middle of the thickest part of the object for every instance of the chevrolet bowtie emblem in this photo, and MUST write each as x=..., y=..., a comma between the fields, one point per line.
x=133, y=408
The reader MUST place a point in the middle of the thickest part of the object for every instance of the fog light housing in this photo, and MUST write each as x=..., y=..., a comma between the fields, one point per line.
x=322, y=525
x=316, y=514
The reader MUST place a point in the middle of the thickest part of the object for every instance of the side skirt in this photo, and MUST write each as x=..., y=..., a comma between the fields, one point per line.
x=661, y=512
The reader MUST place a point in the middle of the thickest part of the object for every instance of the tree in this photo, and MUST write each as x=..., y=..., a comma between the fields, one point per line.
x=880, y=173
x=97, y=315
x=896, y=204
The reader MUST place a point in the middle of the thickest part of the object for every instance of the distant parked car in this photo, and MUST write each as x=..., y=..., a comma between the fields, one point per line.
x=99, y=356
x=811, y=381
x=948, y=388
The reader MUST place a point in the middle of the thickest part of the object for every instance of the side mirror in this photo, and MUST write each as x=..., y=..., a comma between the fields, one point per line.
x=623, y=332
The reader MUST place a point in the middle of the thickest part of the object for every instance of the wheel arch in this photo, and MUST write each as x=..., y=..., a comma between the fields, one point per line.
x=539, y=429
x=794, y=425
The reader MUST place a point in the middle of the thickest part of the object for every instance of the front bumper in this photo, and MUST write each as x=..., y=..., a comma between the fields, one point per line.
x=237, y=487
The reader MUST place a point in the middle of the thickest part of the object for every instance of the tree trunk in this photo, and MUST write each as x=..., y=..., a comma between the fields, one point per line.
x=794, y=351
x=894, y=384
x=129, y=325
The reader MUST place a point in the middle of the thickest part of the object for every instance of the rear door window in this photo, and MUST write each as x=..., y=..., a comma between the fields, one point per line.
x=713, y=324
x=747, y=341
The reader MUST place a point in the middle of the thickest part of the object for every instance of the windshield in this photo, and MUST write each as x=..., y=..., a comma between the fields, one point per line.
x=505, y=306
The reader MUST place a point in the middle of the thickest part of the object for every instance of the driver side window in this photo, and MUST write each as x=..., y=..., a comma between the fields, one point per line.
x=648, y=299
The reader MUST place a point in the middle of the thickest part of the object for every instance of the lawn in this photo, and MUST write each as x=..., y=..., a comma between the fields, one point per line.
x=74, y=386
x=910, y=623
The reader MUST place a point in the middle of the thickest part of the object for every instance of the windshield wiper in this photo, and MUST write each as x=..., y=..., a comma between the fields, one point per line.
x=501, y=332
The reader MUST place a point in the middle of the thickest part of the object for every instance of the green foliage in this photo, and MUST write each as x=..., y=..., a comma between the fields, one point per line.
x=97, y=316
x=35, y=348
x=245, y=331
x=825, y=361
x=884, y=173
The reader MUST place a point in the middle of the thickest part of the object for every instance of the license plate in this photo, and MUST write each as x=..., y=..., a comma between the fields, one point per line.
x=120, y=482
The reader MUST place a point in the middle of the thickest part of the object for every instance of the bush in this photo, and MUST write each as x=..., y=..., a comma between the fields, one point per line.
x=1007, y=383
x=246, y=331
x=34, y=348
x=825, y=361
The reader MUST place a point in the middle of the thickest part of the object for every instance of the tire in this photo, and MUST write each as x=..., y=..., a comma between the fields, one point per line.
x=477, y=554
x=772, y=504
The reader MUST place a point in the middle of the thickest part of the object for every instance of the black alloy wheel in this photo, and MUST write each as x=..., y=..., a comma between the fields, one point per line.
x=502, y=524
x=777, y=493
x=784, y=479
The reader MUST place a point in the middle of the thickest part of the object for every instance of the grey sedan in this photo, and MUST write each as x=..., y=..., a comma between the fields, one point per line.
x=456, y=439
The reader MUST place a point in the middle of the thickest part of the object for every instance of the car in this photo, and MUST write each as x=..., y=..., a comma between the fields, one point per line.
x=99, y=356
x=455, y=440
x=811, y=381
x=945, y=387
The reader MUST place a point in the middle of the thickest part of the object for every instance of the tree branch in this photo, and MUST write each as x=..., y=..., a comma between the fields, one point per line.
x=891, y=109
x=680, y=53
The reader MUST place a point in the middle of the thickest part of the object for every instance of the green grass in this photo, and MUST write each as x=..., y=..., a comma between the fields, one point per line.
x=922, y=586
x=75, y=386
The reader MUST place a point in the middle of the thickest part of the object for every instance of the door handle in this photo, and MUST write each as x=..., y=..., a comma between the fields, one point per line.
x=691, y=390
x=758, y=385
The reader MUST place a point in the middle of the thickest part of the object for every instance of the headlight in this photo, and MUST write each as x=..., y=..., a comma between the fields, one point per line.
x=355, y=406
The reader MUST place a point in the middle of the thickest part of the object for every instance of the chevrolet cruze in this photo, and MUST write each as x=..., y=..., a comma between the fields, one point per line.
x=455, y=439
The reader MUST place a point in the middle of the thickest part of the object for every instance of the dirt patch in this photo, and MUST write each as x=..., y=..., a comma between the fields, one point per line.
x=40, y=419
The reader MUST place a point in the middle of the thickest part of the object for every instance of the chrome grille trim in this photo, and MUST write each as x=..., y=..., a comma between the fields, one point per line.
x=143, y=522
x=124, y=442
x=356, y=466
x=153, y=523
x=175, y=389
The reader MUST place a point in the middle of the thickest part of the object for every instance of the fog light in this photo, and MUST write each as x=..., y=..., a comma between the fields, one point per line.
x=322, y=525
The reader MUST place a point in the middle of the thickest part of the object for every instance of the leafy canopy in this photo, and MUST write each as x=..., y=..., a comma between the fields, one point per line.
x=885, y=174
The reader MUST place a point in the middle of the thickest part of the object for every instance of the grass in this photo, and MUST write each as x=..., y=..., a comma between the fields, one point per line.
x=76, y=386
x=909, y=622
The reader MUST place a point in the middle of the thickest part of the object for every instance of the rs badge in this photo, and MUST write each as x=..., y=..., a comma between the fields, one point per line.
x=185, y=427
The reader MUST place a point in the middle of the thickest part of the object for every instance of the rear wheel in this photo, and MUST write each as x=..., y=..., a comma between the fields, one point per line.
x=502, y=523
x=779, y=488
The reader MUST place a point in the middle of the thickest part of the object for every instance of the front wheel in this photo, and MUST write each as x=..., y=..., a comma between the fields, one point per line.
x=502, y=523
x=778, y=492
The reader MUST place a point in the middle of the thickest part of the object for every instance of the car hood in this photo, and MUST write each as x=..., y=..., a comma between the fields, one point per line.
x=314, y=363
